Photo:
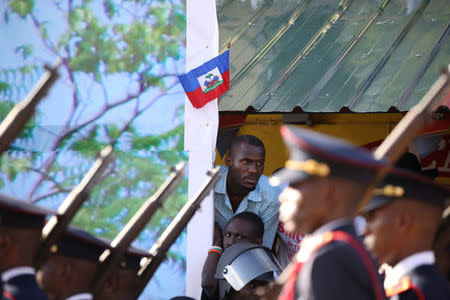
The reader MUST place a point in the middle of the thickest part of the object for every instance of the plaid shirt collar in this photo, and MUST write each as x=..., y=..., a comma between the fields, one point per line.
x=221, y=187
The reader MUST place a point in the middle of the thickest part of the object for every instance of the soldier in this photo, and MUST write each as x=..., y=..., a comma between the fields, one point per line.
x=70, y=270
x=20, y=232
x=327, y=178
x=122, y=284
x=402, y=219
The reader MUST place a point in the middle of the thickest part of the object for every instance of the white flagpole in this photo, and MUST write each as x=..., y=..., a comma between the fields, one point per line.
x=200, y=133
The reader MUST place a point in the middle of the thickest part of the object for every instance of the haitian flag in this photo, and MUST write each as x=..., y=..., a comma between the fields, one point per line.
x=208, y=81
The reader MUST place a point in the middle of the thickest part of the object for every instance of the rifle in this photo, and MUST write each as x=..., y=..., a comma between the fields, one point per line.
x=110, y=257
x=168, y=237
x=22, y=111
x=56, y=225
x=390, y=149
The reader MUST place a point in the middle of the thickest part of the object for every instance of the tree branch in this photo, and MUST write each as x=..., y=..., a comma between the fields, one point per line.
x=137, y=113
x=49, y=194
x=49, y=178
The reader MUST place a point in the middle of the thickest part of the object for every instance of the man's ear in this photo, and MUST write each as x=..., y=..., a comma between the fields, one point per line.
x=66, y=271
x=228, y=160
x=330, y=188
x=404, y=221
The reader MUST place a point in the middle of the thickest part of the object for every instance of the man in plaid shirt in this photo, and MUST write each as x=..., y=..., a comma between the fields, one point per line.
x=242, y=187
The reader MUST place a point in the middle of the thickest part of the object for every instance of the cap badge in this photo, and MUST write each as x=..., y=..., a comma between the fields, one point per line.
x=390, y=191
x=54, y=249
x=309, y=166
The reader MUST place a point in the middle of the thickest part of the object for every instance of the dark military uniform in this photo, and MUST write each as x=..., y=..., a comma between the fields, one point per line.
x=20, y=283
x=423, y=282
x=416, y=276
x=337, y=270
x=331, y=263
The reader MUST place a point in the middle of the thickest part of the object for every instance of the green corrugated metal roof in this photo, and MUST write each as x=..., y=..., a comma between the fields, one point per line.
x=330, y=55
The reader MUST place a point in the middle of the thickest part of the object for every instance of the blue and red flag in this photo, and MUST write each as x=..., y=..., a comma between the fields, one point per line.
x=208, y=81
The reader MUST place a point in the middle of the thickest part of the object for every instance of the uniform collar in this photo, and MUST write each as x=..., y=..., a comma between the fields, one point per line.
x=82, y=296
x=408, y=264
x=14, y=272
x=221, y=186
x=310, y=242
x=331, y=226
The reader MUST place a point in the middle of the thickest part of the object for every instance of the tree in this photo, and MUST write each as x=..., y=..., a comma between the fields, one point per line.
x=120, y=57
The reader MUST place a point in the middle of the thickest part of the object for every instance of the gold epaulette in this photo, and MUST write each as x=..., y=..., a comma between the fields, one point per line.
x=403, y=284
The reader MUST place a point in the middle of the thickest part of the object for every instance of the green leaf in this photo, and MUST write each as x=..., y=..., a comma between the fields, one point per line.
x=113, y=131
x=110, y=8
x=145, y=142
x=4, y=86
x=22, y=7
x=89, y=145
x=12, y=170
x=153, y=81
x=24, y=50
x=5, y=108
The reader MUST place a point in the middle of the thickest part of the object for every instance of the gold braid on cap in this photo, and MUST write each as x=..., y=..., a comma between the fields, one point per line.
x=389, y=191
x=54, y=249
x=309, y=166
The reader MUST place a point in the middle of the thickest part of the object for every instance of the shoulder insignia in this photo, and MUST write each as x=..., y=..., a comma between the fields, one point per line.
x=311, y=244
x=403, y=284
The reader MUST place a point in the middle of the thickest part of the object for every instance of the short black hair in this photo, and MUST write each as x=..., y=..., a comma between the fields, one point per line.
x=252, y=218
x=246, y=139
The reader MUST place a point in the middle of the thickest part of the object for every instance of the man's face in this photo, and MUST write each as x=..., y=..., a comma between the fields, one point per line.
x=248, y=291
x=303, y=205
x=121, y=284
x=239, y=230
x=380, y=234
x=245, y=165
x=441, y=248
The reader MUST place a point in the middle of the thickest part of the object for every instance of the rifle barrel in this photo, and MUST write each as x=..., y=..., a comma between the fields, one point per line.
x=110, y=257
x=22, y=111
x=57, y=224
x=174, y=229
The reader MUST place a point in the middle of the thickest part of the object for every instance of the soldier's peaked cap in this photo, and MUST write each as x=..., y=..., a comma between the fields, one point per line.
x=77, y=243
x=316, y=154
x=17, y=213
x=410, y=182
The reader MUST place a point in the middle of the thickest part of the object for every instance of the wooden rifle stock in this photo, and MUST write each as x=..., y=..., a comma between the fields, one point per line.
x=110, y=258
x=174, y=229
x=390, y=149
x=22, y=111
x=56, y=225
